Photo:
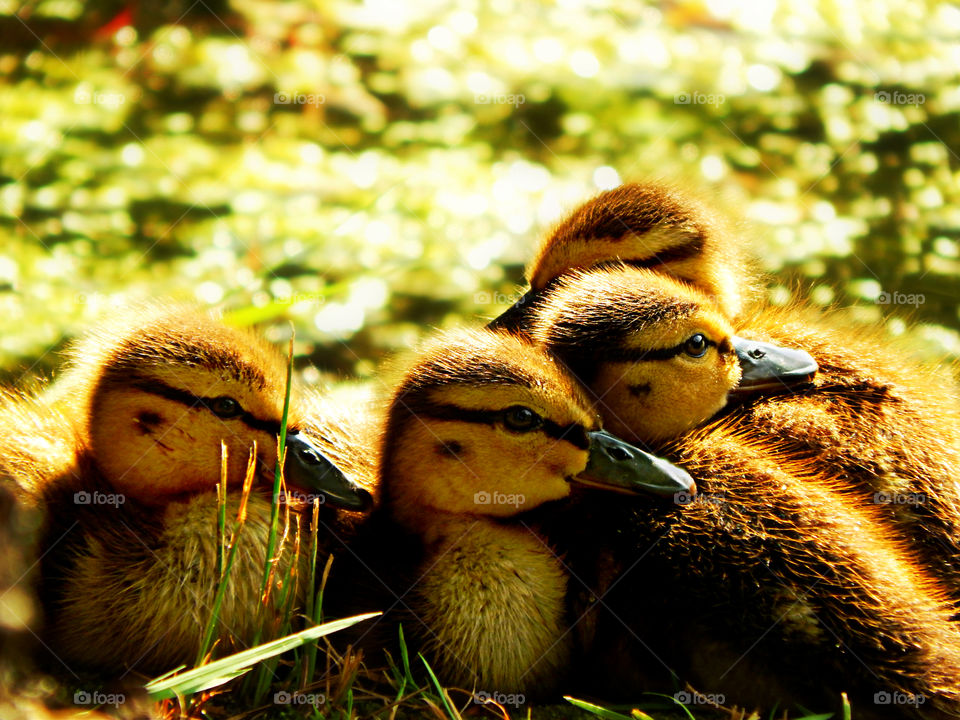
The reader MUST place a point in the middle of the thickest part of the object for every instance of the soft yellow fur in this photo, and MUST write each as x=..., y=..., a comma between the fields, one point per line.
x=490, y=590
x=678, y=393
x=128, y=570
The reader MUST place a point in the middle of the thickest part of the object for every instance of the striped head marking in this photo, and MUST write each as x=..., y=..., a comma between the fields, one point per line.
x=167, y=393
x=646, y=226
x=656, y=354
x=484, y=424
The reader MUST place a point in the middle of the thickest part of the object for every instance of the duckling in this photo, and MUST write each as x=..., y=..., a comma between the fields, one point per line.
x=657, y=354
x=819, y=527
x=643, y=226
x=887, y=427
x=482, y=429
x=771, y=589
x=124, y=454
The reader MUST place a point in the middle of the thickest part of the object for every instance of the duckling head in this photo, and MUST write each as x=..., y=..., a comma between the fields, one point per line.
x=487, y=424
x=658, y=355
x=163, y=398
x=647, y=226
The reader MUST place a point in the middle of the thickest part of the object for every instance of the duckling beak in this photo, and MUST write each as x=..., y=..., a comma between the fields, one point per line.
x=308, y=468
x=621, y=467
x=771, y=367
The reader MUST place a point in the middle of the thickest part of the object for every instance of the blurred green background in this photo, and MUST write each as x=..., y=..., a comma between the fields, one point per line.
x=365, y=171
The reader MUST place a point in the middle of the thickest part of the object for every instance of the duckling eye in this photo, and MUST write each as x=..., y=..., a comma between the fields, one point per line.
x=696, y=346
x=521, y=419
x=225, y=407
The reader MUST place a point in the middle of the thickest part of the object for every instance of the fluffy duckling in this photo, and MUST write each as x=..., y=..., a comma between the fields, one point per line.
x=888, y=428
x=643, y=226
x=481, y=430
x=657, y=354
x=124, y=455
x=772, y=589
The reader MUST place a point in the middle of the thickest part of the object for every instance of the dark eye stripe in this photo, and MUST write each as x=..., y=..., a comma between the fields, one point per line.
x=659, y=354
x=685, y=251
x=190, y=400
x=574, y=433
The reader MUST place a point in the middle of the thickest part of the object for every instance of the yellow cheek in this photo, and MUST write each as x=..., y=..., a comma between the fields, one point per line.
x=657, y=401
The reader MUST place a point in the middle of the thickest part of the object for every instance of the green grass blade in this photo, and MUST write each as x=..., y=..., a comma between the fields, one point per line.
x=225, y=669
x=676, y=702
x=277, y=476
x=444, y=698
x=596, y=709
x=847, y=710
x=405, y=658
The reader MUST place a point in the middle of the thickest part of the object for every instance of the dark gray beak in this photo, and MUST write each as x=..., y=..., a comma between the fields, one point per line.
x=619, y=466
x=308, y=469
x=771, y=367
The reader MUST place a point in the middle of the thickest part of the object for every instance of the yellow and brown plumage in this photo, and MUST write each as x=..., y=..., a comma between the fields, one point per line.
x=889, y=427
x=123, y=456
x=656, y=353
x=769, y=588
x=481, y=429
x=865, y=425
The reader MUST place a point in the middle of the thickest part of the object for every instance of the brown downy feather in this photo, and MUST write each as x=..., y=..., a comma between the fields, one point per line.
x=871, y=423
x=646, y=225
x=886, y=426
x=769, y=587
